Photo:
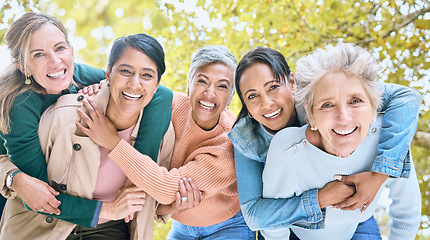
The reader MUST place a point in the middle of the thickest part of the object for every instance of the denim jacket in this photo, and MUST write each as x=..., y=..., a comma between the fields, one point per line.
x=401, y=106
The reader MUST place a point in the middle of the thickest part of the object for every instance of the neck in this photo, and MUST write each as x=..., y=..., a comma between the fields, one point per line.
x=120, y=120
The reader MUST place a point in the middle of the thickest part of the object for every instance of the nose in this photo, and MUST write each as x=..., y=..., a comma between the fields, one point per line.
x=134, y=81
x=210, y=92
x=54, y=59
x=267, y=101
x=343, y=112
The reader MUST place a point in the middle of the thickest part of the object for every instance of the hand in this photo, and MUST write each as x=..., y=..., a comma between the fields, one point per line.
x=367, y=185
x=100, y=129
x=191, y=194
x=128, y=201
x=36, y=194
x=334, y=192
x=90, y=90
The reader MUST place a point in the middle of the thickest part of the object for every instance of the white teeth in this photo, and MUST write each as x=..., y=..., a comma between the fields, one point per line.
x=344, y=132
x=207, y=105
x=57, y=74
x=273, y=114
x=131, y=95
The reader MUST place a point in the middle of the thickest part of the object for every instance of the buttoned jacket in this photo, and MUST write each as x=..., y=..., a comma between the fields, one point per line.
x=73, y=160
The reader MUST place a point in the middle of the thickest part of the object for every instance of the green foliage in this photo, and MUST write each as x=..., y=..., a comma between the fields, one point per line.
x=396, y=31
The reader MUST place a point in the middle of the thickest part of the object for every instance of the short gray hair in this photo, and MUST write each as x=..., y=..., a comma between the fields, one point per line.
x=211, y=54
x=344, y=57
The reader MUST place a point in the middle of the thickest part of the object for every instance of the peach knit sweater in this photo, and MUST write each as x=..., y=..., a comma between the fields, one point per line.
x=204, y=156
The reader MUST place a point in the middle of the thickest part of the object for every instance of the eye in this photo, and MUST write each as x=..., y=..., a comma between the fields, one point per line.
x=125, y=72
x=252, y=96
x=37, y=55
x=356, y=101
x=223, y=87
x=275, y=86
x=147, y=76
x=201, y=81
x=327, y=105
x=60, y=48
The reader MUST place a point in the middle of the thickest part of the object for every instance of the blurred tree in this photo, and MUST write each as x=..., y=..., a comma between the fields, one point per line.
x=396, y=31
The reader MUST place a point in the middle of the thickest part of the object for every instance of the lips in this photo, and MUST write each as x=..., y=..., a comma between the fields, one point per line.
x=58, y=74
x=131, y=96
x=273, y=114
x=344, y=132
x=207, y=105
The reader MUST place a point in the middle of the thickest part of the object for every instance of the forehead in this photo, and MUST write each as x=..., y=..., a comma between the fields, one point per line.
x=337, y=84
x=45, y=36
x=216, y=72
x=136, y=58
x=256, y=76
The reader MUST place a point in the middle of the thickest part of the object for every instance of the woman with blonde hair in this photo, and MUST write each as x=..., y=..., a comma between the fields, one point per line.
x=42, y=70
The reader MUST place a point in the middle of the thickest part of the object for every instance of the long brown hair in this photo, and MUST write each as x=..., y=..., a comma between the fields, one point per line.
x=12, y=80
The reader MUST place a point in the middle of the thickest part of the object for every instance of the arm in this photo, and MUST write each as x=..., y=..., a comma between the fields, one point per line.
x=405, y=210
x=22, y=145
x=157, y=181
x=268, y=213
x=401, y=105
x=154, y=123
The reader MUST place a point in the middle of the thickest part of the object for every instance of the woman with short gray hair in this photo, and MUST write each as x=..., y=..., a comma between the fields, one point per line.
x=202, y=153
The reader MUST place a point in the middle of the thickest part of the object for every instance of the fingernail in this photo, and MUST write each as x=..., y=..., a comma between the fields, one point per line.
x=337, y=177
x=189, y=179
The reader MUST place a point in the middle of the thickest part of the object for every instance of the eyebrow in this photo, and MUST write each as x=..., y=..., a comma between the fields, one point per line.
x=39, y=50
x=129, y=66
x=267, y=83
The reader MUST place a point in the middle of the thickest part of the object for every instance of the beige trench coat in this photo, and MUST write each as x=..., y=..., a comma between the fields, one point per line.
x=77, y=170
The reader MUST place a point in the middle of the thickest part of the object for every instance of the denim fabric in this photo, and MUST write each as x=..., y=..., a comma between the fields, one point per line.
x=367, y=230
x=233, y=228
x=401, y=107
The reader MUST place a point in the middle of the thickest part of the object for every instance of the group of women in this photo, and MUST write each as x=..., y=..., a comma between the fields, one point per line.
x=104, y=162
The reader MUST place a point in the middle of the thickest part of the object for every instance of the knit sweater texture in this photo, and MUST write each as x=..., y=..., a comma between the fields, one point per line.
x=204, y=156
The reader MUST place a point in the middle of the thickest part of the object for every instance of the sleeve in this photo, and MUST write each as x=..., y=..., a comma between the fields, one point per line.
x=23, y=147
x=154, y=123
x=268, y=213
x=405, y=209
x=401, y=106
x=86, y=75
x=211, y=172
x=5, y=166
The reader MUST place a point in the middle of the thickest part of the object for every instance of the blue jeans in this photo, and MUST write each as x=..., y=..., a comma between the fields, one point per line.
x=233, y=228
x=367, y=230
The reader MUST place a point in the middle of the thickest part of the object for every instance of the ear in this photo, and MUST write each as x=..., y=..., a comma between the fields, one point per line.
x=107, y=74
x=20, y=67
x=292, y=81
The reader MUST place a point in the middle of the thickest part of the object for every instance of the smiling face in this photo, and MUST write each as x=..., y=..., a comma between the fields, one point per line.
x=342, y=112
x=51, y=59
x=271, y=103
x=210, y=94
x=133, y=82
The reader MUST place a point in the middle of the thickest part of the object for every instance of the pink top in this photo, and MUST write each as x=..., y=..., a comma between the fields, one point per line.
x=110, y=178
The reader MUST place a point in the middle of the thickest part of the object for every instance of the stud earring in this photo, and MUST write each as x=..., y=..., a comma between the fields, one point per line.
x=27, y=80
x=314, y=128
x=249, y=115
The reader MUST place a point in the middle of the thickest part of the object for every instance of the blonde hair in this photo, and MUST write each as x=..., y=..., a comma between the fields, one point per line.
x=12, y=80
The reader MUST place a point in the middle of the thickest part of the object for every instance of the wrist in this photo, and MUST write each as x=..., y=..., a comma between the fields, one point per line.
x=12, y=178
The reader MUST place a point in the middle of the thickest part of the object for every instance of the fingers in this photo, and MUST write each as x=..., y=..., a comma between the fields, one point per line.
x=352, y=203
x=349, y=180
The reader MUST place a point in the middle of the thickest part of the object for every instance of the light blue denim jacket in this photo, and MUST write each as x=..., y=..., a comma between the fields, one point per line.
x=401, y=106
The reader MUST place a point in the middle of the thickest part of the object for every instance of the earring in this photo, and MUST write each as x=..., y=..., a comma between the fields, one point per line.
x=108, y=82
x=249, y=115
x=314, y=128
x=27, y=80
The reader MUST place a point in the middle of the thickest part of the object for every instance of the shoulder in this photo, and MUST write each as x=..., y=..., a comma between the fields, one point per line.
x=227, y=120
x=289, y=136
x=85, y=74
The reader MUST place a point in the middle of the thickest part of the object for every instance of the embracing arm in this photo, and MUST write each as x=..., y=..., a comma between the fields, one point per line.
x=23, y=147
x=401, y=106
x=268, y=213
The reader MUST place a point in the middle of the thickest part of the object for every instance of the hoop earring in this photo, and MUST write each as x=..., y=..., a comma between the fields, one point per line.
x=28, y=80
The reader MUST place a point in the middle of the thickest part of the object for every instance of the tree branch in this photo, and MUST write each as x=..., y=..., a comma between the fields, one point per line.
x=406, y=20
